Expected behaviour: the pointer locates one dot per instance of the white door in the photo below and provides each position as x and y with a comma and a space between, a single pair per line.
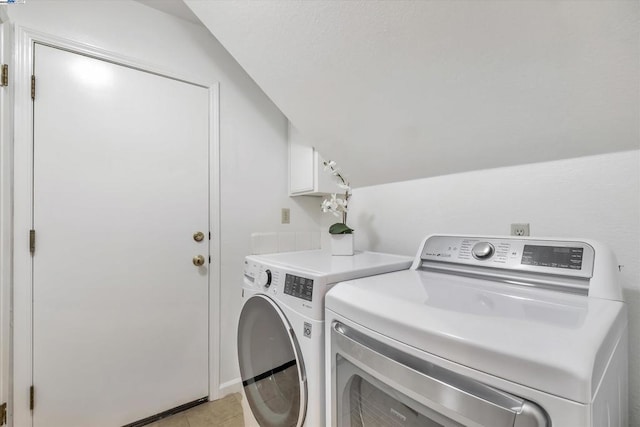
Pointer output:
120, 311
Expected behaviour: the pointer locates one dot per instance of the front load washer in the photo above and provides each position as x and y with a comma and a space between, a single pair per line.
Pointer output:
484, 332
281, 329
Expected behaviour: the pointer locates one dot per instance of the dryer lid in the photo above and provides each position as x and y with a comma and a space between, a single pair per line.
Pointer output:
551, 341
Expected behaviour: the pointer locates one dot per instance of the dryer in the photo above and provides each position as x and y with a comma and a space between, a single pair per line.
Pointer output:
281, 329
483, 332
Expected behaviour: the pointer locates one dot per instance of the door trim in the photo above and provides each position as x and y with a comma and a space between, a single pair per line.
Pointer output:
6, 161
22, 181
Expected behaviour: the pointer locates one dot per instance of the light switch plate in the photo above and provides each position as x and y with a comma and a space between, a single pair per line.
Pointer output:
286, 216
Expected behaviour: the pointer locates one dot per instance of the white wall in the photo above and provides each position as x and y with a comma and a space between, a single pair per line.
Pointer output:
253, 132
595, 197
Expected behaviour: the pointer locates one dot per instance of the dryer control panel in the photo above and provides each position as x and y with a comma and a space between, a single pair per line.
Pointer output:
562, 258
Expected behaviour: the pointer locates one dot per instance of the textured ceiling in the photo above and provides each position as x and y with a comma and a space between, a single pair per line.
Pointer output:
172, 7
397, 90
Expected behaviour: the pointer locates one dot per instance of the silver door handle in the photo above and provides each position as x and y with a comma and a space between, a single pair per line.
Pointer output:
471, 399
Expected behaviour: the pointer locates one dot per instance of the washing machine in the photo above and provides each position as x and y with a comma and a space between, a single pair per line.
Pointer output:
483, 332
281, 329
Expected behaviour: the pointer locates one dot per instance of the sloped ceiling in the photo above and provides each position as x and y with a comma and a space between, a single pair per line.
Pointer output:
397, 90
176, 8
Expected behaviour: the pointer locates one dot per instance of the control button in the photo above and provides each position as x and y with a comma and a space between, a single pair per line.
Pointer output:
482, 250
265, 278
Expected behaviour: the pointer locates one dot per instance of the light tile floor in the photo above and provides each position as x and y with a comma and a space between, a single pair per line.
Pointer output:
225, 412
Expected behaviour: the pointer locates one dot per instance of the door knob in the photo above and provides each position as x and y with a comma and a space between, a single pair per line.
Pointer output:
198, 260
198, 236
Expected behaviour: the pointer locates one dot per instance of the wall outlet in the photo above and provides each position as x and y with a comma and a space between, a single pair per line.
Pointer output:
286, 216
520, 229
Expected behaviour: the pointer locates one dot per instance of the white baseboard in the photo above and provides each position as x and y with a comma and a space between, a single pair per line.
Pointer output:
229, 387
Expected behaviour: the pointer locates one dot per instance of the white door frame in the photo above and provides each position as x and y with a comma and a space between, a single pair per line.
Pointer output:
22, 186
6, 161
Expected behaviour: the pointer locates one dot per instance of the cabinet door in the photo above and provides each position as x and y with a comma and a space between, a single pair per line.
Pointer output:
302, 169
306, 168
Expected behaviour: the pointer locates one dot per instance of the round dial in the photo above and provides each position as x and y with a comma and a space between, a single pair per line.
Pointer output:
482, 250
265, 278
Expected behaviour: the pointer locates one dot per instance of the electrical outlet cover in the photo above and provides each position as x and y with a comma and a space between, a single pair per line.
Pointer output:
520, 229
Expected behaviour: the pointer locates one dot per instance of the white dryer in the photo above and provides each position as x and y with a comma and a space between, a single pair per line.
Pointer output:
484, 332
281, 329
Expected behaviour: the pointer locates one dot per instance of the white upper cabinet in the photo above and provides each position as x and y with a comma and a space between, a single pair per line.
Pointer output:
306, 169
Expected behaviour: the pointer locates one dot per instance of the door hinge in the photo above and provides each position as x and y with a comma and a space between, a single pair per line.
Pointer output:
5, 77
33, 87
31, 398
32, 241
3, 414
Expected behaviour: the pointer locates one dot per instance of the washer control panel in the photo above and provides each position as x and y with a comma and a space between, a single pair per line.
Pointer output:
264, 279
299, 287
566, 258
292, 288
272, 281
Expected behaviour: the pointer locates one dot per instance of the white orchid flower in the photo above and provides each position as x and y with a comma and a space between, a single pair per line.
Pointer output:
336, 205
331, 203
330, 165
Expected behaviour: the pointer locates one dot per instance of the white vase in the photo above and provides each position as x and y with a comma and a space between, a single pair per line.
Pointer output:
342, 244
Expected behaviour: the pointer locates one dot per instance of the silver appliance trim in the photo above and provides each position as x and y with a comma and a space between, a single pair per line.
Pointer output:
571, 259
471, 399
563, 284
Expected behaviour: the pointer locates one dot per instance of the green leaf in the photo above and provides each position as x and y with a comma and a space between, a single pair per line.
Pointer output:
340, 228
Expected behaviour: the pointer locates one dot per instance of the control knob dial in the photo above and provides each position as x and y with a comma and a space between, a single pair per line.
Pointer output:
265, 278
482, 250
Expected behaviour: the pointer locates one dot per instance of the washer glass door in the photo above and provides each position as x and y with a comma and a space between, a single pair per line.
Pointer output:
271, 364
